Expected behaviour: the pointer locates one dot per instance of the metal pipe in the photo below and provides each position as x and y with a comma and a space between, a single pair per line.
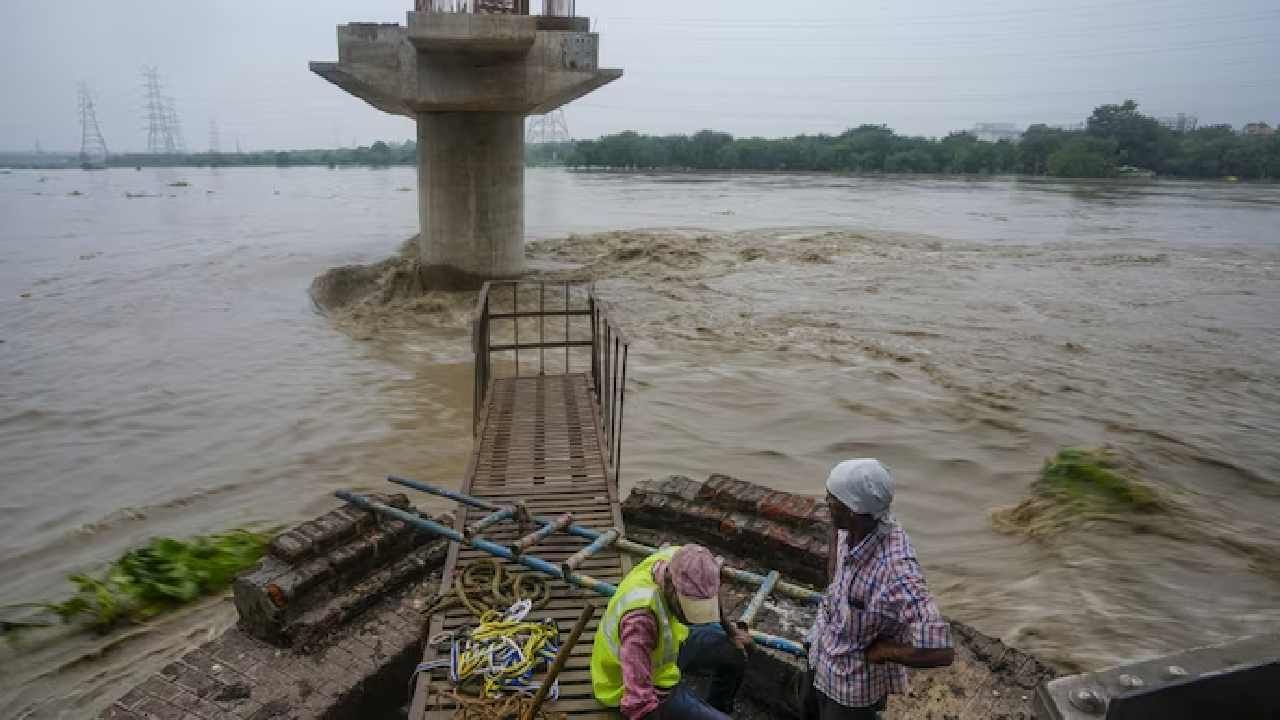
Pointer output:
798, 592
757, 600
446, 493
609, 537
530, 561
622, 405
515, 307
487, 521
542, 328
537, 536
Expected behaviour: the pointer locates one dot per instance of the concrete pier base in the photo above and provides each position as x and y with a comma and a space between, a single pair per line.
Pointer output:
469, 80
470, 197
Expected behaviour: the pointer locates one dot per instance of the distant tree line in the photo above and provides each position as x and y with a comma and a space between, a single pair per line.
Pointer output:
379, 153
1117, 139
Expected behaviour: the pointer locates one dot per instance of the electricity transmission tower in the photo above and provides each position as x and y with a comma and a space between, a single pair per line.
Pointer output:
213, 138
548, 128
164, 130
93, 148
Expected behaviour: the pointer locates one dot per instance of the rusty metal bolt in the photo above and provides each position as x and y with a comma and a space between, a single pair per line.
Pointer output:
1087, 700
1130, 682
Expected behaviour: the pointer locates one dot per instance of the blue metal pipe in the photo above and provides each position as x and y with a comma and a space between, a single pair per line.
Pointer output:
778, 643
475, 502
757, 600
487, 521
609, 537
791, 590
532, 562
537, 536
444, 493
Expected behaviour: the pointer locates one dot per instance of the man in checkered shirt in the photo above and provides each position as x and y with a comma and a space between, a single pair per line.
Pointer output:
877, 617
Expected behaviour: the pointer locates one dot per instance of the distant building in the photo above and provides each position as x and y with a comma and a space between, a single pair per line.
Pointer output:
1068, 127
1259, 128
995, 132
1181, 122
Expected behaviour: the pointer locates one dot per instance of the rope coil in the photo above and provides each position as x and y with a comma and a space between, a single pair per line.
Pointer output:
500, 653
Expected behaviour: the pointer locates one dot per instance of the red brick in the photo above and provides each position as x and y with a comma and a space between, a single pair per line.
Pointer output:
787, 508
682, 487
733, 524
788, 539
714, 486
742, 496
821, 515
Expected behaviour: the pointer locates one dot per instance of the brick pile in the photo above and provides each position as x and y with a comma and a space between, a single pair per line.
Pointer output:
330, 627
756, 527
788, 532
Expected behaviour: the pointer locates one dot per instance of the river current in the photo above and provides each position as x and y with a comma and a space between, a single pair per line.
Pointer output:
164, 372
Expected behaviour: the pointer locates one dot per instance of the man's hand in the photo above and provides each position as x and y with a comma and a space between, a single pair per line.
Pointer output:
741, 637
882, 651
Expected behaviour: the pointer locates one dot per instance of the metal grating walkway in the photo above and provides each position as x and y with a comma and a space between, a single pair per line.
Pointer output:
539, 440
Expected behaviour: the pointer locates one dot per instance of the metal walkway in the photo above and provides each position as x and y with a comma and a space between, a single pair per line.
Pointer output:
547, 433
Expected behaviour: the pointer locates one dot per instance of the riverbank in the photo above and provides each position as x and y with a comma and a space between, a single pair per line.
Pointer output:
343, 644
965, 330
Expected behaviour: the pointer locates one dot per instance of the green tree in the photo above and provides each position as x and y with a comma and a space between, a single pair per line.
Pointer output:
1140, 140
1038, 143
379, 153
1084, 157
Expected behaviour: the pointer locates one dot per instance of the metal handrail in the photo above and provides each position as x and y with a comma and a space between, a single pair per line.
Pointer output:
478, 7
608, 344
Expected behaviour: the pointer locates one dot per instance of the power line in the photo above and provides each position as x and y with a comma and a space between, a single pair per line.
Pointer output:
93, 148
213, 138
548, 128
164, 129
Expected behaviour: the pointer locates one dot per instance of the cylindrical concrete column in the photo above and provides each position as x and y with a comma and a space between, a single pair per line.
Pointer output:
470, 197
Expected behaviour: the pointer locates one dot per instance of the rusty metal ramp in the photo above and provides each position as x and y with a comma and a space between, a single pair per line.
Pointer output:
547, 433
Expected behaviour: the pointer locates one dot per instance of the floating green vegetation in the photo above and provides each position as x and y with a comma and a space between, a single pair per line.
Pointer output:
1077, 485
147, 581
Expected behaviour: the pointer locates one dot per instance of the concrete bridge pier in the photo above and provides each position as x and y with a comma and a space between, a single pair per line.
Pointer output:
470, 197
468, 79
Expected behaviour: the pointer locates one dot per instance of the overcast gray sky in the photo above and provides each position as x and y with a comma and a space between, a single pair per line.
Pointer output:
746, 66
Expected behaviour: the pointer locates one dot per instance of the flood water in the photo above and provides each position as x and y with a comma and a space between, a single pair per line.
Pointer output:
163, 372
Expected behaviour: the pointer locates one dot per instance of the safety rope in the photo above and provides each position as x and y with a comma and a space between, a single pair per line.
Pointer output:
485, 585
509, 708
500, 653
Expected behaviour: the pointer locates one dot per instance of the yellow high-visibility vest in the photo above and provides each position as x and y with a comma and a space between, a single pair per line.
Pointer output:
637, 591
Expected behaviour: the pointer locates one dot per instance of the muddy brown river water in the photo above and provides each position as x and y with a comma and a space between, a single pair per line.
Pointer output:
163, 372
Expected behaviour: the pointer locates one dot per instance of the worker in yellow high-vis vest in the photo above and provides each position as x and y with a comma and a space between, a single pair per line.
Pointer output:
665, 619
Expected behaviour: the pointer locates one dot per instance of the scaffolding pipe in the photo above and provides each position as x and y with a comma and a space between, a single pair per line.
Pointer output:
537, 536
530, 561
757, 600
609, 537
791, 590
488, 521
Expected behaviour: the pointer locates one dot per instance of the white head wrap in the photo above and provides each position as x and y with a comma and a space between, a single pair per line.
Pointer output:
863, 485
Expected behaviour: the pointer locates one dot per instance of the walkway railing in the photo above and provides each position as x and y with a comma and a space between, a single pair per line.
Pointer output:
523, 328
550, 8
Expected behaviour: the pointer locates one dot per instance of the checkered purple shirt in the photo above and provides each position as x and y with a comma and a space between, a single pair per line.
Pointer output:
878, 592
